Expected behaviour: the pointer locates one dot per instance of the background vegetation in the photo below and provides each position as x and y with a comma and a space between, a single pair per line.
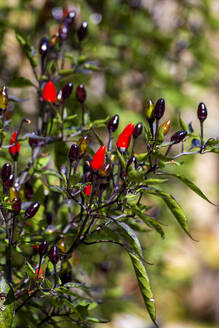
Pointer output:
143, 49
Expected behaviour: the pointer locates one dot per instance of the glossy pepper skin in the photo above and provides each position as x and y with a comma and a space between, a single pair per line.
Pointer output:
14, 150
6, 171
137, 130
31, 210
105, 170
43, 248
73, 153
10, 181
54, 255
67, 90
166, 126
98, 158
44, 46
69, 17
132, 161
202, 112
33, 142
159, 108
49, 92
178, 136
124, 139
28, 190
82, 145
87, 190
82, 31
3, 97
16, 206
113, 123
81, 94
149, 110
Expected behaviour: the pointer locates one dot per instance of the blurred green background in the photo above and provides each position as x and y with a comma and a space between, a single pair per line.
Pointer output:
145, 49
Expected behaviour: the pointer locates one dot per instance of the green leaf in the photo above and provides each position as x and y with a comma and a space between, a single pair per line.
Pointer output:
174, 207
20, 82
66, 72
29, 270
212, 142
7, 304
144, 285
27, 50
148, 220
182, 123
192, 186
121, 159
100, 123
155, 181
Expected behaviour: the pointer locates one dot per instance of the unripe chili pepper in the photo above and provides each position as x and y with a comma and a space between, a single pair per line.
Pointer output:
82, 31
81, 93
124, 139
31, 210
10, 181
73, 153
98, 158
82, 145
54, 39
44, 46
105, 170
14, 150
69, 17
67, 90
63, 30
159, 108
16, 206
178, 136
87, 190
54, 255
113, 123
88, 176
166, 126
86, 167
132, 161
28, 190
3, 97
202, 112
149, 110
43, 248
49, 92
6, 171
33, 142
137, 130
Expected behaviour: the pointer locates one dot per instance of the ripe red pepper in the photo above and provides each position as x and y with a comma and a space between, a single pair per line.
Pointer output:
49, 92
87, 190
39, 273
14, 150
124, 139
98, 158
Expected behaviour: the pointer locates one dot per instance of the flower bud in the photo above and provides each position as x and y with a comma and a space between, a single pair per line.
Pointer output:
54, 255
159, 108
67, 90
6, 171
202, 112
82, 31
49, 92
43, 248
178, 136
9, 182
81, 93
31, 210
16, 206
113, 123
137, 130
98, 158
165, 126
3, 97
73, 153
44, 46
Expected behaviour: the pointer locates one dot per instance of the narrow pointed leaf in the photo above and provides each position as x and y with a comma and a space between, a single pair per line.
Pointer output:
7, 305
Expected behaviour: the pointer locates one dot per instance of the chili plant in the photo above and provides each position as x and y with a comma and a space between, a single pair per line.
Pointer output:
78, 189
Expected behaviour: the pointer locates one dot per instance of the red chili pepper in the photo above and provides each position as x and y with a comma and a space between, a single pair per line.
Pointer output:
98, 159
87, 190
39, 273
14, 150
124, 139
49, 92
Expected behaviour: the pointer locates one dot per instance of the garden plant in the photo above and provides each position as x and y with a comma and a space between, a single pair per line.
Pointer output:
81, 186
